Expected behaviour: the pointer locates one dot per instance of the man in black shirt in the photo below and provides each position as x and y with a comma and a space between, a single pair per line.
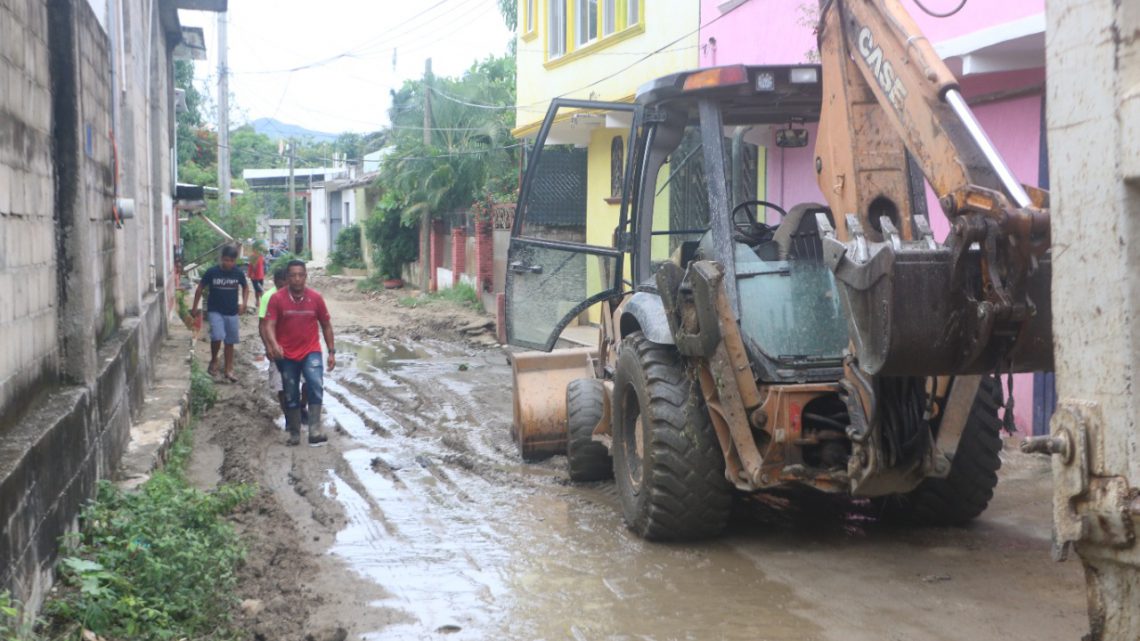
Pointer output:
222, 308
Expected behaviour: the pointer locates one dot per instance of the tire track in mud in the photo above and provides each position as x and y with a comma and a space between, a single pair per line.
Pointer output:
417, 489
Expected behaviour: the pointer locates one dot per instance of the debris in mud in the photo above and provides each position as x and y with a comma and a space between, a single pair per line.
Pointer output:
378, 465
935, 578
478, 327
448, 629
331, 634
460, 460
424, 461
252, 607
463, 367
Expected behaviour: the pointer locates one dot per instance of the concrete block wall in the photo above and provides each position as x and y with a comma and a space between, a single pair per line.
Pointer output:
29, 350
97, 168
83, 305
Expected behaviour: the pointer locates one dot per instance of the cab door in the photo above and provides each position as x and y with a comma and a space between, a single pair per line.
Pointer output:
554, 272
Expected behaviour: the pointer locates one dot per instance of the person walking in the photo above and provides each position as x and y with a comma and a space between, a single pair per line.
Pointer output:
256, 273
292, 318
274, 374
222, 307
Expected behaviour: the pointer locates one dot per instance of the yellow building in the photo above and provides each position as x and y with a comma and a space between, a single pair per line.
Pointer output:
599, 50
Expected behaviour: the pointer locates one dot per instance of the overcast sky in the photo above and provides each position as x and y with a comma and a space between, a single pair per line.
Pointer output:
354, 52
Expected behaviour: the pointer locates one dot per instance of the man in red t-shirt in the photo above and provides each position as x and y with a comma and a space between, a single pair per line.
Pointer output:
292, 318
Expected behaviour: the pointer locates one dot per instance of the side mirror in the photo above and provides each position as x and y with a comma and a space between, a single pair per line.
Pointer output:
791, 137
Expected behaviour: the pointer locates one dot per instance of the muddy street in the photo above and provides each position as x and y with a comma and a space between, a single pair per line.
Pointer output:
419, 521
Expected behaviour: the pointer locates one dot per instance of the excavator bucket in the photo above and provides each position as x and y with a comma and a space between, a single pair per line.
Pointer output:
540, 380
908, 317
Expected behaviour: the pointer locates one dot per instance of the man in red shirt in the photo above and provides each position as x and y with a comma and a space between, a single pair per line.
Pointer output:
292, 318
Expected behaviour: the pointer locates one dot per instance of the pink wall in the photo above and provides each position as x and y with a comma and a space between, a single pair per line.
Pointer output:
790, 177
769, 31
782, 32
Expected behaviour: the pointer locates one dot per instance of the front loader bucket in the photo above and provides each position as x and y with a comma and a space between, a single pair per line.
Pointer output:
540, 380
906, 316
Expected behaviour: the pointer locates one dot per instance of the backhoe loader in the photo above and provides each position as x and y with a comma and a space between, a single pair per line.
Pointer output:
750, 345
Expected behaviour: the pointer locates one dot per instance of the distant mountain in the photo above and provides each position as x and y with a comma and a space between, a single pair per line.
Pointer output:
277, 130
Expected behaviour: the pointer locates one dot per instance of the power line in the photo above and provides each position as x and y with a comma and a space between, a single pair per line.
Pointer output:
372, 47
315, 158
470, 104
662, 49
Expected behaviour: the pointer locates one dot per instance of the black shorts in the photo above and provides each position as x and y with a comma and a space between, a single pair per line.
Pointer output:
258, 286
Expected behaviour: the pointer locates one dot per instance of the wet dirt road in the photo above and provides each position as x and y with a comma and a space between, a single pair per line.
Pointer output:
419, 521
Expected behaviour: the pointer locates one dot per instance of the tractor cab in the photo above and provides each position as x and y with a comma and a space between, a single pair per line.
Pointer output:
695, 184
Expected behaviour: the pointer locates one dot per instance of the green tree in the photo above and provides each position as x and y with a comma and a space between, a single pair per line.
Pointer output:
395, 241
251, 149
510, 12
471, 152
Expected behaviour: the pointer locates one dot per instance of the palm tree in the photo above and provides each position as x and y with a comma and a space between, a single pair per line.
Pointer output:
470, 148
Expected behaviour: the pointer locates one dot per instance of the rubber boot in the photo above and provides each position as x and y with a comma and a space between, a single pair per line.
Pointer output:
316, 431
293, 426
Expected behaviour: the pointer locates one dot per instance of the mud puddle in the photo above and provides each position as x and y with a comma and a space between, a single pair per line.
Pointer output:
471, 544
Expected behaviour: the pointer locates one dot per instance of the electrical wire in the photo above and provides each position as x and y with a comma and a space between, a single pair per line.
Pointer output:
379, 46
935, 14
662, 49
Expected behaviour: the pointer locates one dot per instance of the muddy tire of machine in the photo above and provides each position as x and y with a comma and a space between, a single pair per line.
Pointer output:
675, 489
966, 492
585, 404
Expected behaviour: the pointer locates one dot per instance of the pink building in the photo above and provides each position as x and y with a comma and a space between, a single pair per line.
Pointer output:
997, 50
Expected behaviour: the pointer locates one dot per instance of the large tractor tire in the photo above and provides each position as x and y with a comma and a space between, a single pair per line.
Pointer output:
668, 465
966, 492
585, 406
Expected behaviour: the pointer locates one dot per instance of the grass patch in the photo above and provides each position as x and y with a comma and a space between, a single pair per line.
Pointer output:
158, 563
203, 394
462, 294
373, 282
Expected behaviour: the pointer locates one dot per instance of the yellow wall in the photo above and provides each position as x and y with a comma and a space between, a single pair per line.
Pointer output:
601, 217
583, 73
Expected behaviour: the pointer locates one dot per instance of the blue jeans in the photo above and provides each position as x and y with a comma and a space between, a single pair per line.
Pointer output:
312, 370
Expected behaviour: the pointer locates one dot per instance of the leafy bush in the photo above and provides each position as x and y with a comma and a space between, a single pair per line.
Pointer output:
156, 564
12, 628
394, 242
203, 394
349, 251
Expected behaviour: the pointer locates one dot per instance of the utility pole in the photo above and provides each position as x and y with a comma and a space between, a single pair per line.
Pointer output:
427, 102
425, 219
292, 200
223, 116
